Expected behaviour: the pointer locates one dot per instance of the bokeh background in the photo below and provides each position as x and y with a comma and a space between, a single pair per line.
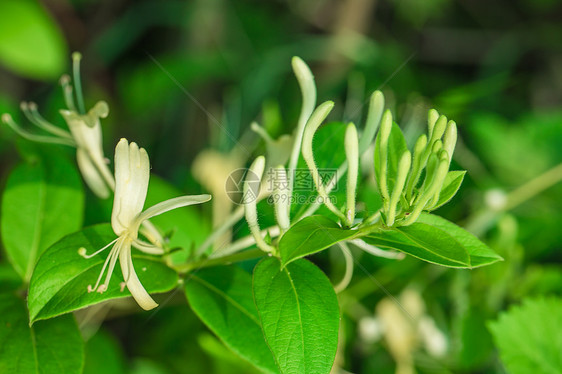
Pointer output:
181, 77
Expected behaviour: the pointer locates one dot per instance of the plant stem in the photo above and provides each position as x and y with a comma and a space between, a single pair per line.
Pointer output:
226, 260
534, 187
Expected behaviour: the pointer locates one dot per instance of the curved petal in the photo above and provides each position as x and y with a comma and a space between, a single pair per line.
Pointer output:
132, 171
147, 247
170, 204
132, 280
91, 175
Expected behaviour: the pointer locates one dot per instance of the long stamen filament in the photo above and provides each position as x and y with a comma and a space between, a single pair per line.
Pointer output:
114, 255
76, 57
82, 250
67, 92
106, 262
7, 119
32, 114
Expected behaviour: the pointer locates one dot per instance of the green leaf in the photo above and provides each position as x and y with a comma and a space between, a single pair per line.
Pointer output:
60, 280
31, 43
103, 355
451, 185
528, 337
43, 201
396, 148
436, 240
310, 235
49, 347
299, 313
222, 298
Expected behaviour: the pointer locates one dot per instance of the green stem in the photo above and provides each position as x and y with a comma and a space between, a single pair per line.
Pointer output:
534, 187
226, 260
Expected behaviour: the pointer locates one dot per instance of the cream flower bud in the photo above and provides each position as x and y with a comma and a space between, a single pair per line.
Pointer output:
352, 155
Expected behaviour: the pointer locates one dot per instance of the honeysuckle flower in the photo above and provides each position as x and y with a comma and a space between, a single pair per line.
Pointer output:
85, 132
132, 172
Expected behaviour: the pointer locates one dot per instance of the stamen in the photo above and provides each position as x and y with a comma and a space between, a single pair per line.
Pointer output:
82, 250
90, 288
113, 255
67, 92
76, 57
32, 114
7, 119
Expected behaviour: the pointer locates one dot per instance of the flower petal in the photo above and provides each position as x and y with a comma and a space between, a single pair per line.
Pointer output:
91, 175
132, 280
170, 204
147, 247
132, 172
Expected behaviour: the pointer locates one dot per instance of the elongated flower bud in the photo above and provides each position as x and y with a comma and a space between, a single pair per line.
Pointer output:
437, 146
417, 166
352, 155
450, 139
438, 174
376, 107
384, 133
403, 169
432, 117
439, 129
314, 122
308, 90
281, 199
250, 207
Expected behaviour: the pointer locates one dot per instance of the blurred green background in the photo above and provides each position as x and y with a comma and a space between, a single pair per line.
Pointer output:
184, 76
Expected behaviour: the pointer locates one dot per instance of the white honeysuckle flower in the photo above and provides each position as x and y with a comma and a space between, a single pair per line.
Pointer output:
85, 131
87, 135
132, 172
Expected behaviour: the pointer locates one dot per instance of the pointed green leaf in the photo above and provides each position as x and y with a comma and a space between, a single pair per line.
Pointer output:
451, 185
60, 280
42, 202
310, 235
222, 298
396, 148
436, 240
299, 313
48, 347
